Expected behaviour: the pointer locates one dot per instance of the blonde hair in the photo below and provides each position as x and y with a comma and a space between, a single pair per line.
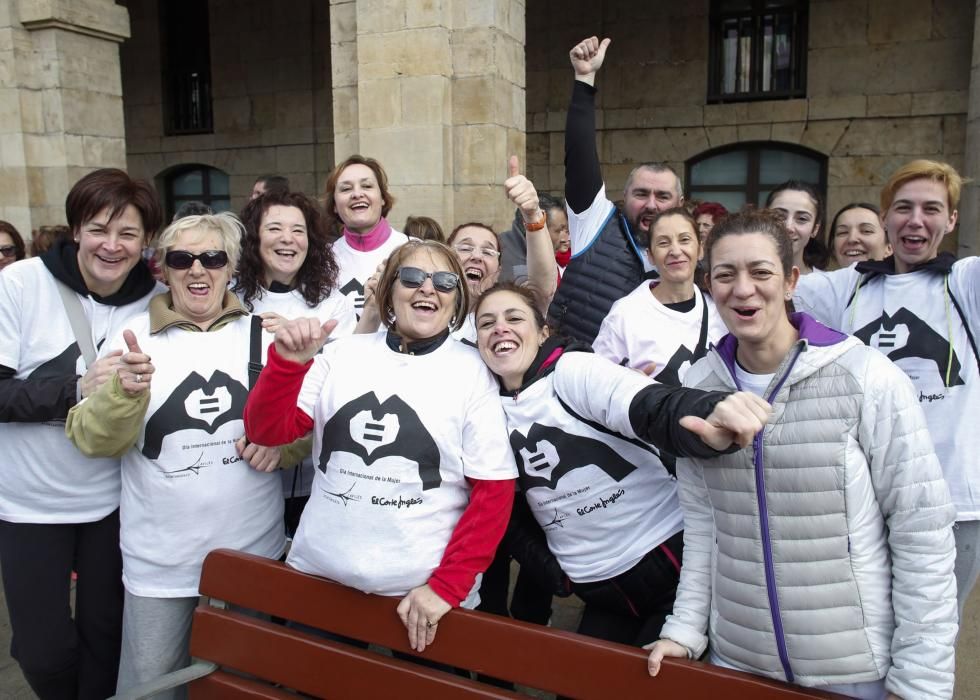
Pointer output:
924, 169
228, 226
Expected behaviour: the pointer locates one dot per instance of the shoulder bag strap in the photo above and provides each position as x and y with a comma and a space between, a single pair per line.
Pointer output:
80, 325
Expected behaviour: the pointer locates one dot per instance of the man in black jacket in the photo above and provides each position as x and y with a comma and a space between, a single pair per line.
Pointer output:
608, 244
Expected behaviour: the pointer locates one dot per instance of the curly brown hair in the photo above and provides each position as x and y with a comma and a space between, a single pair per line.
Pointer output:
317, 277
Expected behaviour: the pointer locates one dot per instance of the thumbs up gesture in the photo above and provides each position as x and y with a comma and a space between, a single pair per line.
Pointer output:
135, 368
300, 340
521, 192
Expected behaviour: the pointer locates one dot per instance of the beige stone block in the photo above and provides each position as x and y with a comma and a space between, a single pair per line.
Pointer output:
478, 151
923, 66
538, 149
44, 150
508, 60
8, 69
13, 187
380, 16
74, 150
427, 13
788, 132
862, 171
845, 70
688, 142
839, 107
472, 51
294, 159
425, 200
57, 185
754, 132
775, 111
412, 155
720, 115
408, 52
53, 104
92, 113
899, 136
12, 151
104, 19
636, 145
683, 116
473, 100
32, 111
343, 64
20, 216
954, 134
889, 105
944, 102
892, 21
10, 122
838, 23
345, 111
142, 146
480, 202
379, 104
425, 100
473, 13
720, 135
343, 21
952, 18
35, 186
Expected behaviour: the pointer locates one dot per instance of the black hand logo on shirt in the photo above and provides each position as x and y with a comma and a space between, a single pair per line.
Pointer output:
547, 454
357, 289
905, 335
195, 404
372, 430
671, 373
64, 365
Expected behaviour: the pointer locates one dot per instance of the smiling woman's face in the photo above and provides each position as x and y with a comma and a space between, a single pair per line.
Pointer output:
283, 244
423, 312
357, 198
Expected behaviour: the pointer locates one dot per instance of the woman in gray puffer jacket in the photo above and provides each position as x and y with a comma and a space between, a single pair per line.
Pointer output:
823, 554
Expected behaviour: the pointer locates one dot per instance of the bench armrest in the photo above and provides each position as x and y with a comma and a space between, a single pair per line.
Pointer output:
174, 679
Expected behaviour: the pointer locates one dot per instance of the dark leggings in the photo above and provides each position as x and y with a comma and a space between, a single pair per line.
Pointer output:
61, 657
631, 608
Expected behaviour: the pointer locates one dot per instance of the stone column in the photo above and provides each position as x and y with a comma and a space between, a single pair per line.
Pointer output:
61, 110
968, 237
434, 89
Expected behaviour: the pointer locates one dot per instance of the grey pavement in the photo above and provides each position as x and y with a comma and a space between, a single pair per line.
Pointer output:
566, 616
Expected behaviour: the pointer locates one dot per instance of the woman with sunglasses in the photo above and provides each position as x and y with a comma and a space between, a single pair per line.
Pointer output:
12, 246
583, 432
287, 270
414, 480
59, 511
191, 482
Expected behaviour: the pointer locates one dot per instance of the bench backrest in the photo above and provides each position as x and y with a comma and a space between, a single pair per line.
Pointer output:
540, 657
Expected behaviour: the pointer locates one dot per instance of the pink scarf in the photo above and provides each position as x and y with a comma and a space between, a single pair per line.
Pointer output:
372, 240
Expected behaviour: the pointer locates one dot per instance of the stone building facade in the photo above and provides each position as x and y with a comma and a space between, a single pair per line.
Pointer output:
441, 91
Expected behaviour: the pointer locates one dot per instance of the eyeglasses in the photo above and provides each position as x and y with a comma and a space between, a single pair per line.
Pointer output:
8, 251
183, 260
467, 249
413, 278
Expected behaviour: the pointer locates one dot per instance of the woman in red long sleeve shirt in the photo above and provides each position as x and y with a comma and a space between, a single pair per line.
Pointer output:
414, 479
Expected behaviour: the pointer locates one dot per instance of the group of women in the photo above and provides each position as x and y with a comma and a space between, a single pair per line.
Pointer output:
405, 445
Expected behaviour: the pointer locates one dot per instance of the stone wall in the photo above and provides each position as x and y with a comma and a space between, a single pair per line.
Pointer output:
270, 77
887, 81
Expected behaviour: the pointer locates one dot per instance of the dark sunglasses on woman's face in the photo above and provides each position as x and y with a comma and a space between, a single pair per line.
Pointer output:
8, 251
210, 259
413, 278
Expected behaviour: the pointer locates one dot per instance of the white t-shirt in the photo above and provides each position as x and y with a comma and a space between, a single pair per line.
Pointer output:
185, 490
467, 334
357, 266
907, 317
751, 382
395, 437
291, 305
603, 500
45, 479
640, 330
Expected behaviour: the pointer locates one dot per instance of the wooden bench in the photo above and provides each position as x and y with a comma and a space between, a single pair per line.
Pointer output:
239, 656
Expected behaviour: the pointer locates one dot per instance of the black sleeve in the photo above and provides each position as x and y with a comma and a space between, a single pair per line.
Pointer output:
526, 542
36, 400
655, 414
583, 176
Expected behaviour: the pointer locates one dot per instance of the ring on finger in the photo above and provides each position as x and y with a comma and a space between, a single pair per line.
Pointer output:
430, 624
139, 378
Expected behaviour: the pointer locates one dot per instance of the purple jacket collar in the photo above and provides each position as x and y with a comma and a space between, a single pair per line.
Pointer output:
810, 329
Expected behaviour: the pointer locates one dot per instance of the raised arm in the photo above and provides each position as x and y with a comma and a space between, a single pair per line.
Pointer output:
542, 272
583, 176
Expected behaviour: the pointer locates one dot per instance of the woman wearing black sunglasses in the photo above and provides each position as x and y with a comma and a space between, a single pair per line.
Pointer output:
414, 481
11, 245
191, 482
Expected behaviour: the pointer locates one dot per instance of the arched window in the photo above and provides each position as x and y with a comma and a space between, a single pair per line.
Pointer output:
745, 173
197, 183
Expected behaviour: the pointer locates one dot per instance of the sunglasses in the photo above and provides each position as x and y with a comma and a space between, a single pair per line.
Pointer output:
8, 251
413, 278
210, 259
